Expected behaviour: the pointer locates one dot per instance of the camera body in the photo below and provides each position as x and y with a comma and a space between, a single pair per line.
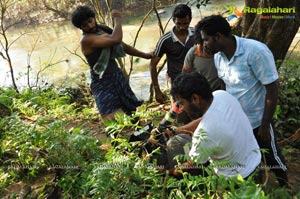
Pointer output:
158, 137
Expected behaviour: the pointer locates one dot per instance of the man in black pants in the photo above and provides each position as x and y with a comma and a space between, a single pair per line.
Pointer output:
174, 44
248, 70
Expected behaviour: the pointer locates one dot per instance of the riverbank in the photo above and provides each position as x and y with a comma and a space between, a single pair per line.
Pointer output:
54, 41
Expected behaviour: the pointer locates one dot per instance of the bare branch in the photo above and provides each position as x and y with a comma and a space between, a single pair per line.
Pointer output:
76, 54
3, 56
28, 61
21, 35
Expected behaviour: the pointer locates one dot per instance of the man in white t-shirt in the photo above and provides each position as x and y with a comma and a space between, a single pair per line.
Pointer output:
224, 136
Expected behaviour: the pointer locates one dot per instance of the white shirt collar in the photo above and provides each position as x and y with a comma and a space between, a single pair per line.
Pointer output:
175, 38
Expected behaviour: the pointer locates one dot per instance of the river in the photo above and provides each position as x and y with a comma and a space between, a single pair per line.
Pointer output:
51, 43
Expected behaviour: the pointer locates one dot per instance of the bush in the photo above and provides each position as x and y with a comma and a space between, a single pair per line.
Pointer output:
287, 119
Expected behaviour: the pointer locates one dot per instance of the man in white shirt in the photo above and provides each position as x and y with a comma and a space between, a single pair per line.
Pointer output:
249, 72
224, 136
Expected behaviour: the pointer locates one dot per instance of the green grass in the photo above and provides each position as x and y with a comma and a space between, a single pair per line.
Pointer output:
48, 132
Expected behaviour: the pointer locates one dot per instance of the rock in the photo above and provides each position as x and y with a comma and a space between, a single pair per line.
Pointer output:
162, 11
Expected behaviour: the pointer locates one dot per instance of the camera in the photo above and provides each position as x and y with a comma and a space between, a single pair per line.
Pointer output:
158, 137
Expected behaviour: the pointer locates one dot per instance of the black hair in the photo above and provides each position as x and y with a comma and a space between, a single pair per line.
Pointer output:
81, 14
187, 84
197, 35
213, 24
181, 11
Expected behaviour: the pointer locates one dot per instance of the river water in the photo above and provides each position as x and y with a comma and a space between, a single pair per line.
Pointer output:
51, 44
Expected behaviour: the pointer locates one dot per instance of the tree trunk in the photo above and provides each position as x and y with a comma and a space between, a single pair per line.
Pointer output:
277, 34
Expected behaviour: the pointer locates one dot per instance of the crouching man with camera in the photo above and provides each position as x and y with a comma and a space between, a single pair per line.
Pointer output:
223, 136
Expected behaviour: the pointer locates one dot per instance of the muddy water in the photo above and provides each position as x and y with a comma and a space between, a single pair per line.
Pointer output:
51, 45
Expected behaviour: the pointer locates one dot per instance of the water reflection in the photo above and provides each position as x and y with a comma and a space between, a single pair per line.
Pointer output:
51, 44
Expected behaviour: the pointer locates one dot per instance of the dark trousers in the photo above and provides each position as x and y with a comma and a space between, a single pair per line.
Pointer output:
273, 157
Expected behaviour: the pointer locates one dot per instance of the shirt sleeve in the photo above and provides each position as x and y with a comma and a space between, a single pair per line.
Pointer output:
160, 48
217, 58
263, 65
188, 61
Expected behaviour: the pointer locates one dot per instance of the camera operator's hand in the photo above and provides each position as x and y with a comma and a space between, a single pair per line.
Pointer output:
170, 131
152, 140
154, 136
155, 132
158, 136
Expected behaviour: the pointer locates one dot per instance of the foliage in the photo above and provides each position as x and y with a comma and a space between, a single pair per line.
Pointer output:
124, 171
123, 123
45, 133
202, 3
37, 138
288, 109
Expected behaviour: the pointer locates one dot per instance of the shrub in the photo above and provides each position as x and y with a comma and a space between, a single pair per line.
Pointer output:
287, 114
